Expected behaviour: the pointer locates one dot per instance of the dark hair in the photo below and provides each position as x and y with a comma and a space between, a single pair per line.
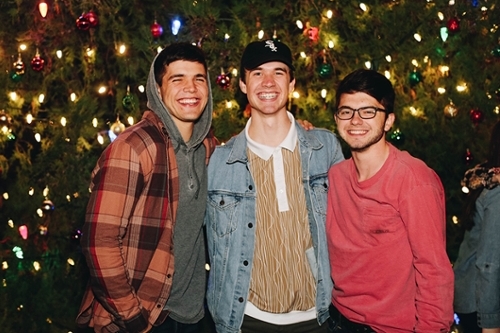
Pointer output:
369, 82
175, 52
493, 160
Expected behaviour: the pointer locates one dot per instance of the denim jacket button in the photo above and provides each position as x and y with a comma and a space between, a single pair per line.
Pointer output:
325, 185
250, 225
245, 263
240, 299
250, 187
221, 202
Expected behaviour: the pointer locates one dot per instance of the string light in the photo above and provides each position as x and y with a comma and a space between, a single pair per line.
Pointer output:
59, 54
43, 8
176, 25
299, 24
331, 44
363, 7
260, 35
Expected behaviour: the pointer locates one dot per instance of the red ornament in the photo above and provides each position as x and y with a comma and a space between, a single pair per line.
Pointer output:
92, 18
37, 63
156, 30
223, 81
453, 25
313, 34
476, 116
83, 22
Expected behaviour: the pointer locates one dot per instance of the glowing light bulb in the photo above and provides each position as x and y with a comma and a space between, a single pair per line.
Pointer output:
43, 8
260, 35
59, 54
323, 93
176, 25
63, 121
299, 24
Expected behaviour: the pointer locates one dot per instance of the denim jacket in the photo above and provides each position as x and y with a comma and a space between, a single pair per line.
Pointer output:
477, 268
230, 222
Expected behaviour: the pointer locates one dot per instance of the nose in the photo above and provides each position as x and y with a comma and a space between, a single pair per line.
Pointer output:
268, 81
356, 119
190, 86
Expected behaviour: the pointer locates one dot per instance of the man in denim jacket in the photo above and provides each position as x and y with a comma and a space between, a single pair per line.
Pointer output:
267, 190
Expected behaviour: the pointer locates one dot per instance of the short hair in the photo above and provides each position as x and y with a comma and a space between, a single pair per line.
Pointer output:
371, 83
174, 52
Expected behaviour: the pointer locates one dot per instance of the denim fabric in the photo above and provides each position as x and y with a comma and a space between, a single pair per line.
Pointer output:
230, 221
477, 269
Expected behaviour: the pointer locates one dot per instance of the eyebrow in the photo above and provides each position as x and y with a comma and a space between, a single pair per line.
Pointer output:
180, 75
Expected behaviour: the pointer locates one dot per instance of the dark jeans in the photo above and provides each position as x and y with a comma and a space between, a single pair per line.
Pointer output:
468, 322
252, 325
172, 326
337, 323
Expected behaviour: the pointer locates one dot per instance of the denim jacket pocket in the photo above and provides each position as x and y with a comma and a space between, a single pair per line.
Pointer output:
223, 210
319, 189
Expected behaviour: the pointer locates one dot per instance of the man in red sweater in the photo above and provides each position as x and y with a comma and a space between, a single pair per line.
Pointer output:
385, 223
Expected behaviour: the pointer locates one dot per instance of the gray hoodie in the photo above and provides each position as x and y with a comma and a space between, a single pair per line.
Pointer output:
188, 286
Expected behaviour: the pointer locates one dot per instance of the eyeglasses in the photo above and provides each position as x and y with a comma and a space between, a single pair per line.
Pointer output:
367, 112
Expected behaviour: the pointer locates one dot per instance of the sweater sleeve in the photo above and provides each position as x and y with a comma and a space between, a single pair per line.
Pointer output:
488, 261
423, 212
116, 184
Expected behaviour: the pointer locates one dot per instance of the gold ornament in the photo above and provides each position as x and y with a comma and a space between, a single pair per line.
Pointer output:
450, 110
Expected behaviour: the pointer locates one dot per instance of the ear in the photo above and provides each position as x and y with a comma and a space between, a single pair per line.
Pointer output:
243, 86
291, 86
389, 121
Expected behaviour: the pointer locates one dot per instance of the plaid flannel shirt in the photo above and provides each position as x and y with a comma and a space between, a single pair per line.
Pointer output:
127, 235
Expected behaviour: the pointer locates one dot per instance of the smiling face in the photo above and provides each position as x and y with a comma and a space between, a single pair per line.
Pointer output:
267, 87
362, 134
184, 91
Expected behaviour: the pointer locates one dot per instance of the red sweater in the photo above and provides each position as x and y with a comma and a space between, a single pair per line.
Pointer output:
386, 238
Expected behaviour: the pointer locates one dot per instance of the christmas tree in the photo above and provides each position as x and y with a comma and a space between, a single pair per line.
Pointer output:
74, 73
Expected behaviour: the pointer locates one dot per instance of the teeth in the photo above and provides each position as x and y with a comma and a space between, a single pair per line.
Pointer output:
267, 95
188, 101
357, 132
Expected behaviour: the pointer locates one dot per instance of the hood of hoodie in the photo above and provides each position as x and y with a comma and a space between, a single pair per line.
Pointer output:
155, 104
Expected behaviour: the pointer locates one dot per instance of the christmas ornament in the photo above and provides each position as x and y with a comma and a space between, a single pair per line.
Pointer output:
453, 25
476, 116
415, 77
223, 80
92, 19
83, 22
15, 77
128, 101
47, 205
397, 136
117, 127
76, 235
37, 63
325, 70
156, 30
313, 34
19, 65
468, 157
450, 110
496, 51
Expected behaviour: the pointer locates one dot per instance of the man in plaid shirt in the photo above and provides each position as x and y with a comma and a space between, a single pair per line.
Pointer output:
148, 197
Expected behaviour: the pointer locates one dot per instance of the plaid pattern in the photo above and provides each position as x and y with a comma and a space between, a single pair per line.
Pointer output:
127, 235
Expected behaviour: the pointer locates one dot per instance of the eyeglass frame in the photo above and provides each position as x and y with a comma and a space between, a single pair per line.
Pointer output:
357, 110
